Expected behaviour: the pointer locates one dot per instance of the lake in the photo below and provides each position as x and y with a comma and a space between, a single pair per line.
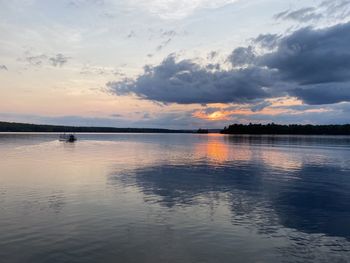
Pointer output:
174, 198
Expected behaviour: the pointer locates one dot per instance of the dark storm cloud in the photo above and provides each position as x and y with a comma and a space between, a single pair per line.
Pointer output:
186, 82
242, 56
212, 66
311, 64
311, 56
315, 64
327, 93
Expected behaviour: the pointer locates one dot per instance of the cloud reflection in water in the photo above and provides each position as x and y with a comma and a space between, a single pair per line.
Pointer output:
265, 187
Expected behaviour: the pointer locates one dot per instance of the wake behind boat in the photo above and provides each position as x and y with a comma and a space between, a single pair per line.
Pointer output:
67, 138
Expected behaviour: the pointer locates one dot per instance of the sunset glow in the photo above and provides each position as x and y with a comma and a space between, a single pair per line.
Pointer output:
176, 65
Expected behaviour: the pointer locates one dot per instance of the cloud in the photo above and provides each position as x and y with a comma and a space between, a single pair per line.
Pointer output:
212, 55
242, 56
336, 8
116, 115
172, 120
260, 106
177, 9
168, 33
3, 67
110, 121
314, 63
59, 60
81, 3
88, 69
163, 44
311, 64
267, 41
305, 14
327, 93
166, 37
310, 56
186, 82
209, 117
328, 9
238, 112
36, 60
131, 34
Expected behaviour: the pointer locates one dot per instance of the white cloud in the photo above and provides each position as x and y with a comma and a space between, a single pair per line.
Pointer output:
177, 9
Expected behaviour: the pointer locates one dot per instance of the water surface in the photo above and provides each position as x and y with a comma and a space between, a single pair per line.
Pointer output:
174, 198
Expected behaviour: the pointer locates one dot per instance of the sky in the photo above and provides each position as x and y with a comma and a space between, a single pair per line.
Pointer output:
174, 63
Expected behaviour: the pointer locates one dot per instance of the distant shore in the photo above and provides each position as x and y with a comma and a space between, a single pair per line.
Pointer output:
292, 129
249, 129
25, 127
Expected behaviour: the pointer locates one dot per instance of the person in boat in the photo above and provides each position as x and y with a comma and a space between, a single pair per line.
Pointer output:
72, 138
67, 137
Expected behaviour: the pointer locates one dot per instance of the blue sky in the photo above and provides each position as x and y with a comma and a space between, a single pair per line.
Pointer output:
174, 64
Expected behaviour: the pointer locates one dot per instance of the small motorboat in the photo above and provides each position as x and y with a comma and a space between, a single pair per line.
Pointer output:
67, 138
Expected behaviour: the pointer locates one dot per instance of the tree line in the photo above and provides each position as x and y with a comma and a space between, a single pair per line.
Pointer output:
24, 127
297, 129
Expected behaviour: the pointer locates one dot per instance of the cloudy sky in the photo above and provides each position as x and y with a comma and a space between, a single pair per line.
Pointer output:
174, 63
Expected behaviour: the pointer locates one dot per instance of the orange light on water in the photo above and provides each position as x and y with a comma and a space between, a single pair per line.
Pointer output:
218, 152
214, 150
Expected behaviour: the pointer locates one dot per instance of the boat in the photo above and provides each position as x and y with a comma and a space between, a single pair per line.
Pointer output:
67, 138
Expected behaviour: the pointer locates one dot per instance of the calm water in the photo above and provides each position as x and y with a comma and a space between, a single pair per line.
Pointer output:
174, 198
